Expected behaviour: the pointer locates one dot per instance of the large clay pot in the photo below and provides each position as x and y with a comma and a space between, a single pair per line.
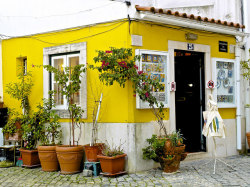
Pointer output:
48, 158
112, 165
91, 152
30, 158
248, 138
70, 158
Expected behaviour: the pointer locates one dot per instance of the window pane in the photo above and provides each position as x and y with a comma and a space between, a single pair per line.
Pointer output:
76, 99
58, 64
58, 97
225, 82
73, 61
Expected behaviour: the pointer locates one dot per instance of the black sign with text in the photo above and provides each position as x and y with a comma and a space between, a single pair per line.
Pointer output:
222, 46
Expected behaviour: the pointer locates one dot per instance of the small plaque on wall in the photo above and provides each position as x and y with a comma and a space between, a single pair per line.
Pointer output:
223, 46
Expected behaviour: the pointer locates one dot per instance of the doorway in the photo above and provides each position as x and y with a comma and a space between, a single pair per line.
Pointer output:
189, 98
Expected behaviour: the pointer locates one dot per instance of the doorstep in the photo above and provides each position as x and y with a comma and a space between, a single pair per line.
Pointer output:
197, 156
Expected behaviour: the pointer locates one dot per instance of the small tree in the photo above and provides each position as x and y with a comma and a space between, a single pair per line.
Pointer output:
69, 80
21, 90
117, 65
51, 131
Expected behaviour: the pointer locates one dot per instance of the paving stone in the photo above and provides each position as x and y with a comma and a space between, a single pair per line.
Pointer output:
191, 173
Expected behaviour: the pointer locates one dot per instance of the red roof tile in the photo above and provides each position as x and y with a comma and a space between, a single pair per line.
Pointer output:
191, 16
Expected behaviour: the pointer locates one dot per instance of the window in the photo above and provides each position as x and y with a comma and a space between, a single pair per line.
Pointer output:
21, 65
59, 62
225, 82
155, 65
65, 56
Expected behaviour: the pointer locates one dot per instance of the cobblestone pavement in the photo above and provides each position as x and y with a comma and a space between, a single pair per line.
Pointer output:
191, 173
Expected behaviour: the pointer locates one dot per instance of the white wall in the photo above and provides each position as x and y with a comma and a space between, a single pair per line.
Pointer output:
30, 17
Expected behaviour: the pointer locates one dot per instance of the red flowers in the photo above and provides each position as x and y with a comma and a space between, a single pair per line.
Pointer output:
108, 51
123, 64
147, 94
140, 72
104, 64
136, 67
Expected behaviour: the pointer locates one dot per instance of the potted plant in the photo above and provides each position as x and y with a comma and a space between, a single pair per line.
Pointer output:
12, 130
112, 160
69, 80
167, 150
50, 137
32, 127
93, 149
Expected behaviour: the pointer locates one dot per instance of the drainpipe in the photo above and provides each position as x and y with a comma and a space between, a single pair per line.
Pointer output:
247, 102
1, 71
238, 101
1, 87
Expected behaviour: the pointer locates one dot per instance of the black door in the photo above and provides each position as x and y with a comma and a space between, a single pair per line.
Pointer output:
189, 98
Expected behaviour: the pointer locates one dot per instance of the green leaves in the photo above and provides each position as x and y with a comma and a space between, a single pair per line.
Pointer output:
118, 65
69, 79
21, 90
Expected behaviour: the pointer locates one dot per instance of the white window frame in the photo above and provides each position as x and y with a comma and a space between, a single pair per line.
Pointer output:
214, 62
64, 49
139, 103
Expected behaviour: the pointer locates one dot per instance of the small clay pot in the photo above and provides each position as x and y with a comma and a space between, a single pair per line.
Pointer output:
91, 152
30, 157
248, 138
112, 165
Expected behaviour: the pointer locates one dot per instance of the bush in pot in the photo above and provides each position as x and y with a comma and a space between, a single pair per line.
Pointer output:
50, 137
112, 160
69, 80
167, 150
12, 130
33, 130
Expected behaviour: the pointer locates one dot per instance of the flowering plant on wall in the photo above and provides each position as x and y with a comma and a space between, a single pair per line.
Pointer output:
118, 65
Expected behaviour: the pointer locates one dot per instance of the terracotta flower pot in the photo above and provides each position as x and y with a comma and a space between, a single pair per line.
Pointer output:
169, 149
30, 158
171, 165
70, 158
180, 149
91, 152
6, 136
112, 165
1, 104
248, 138
18, 125
48, 158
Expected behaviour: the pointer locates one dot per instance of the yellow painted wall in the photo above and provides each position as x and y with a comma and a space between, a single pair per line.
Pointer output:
155, 37
118, 103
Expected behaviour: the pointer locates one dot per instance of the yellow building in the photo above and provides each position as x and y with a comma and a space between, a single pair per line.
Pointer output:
191, 52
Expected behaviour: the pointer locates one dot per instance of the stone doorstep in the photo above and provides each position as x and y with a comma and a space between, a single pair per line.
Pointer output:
197, 156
